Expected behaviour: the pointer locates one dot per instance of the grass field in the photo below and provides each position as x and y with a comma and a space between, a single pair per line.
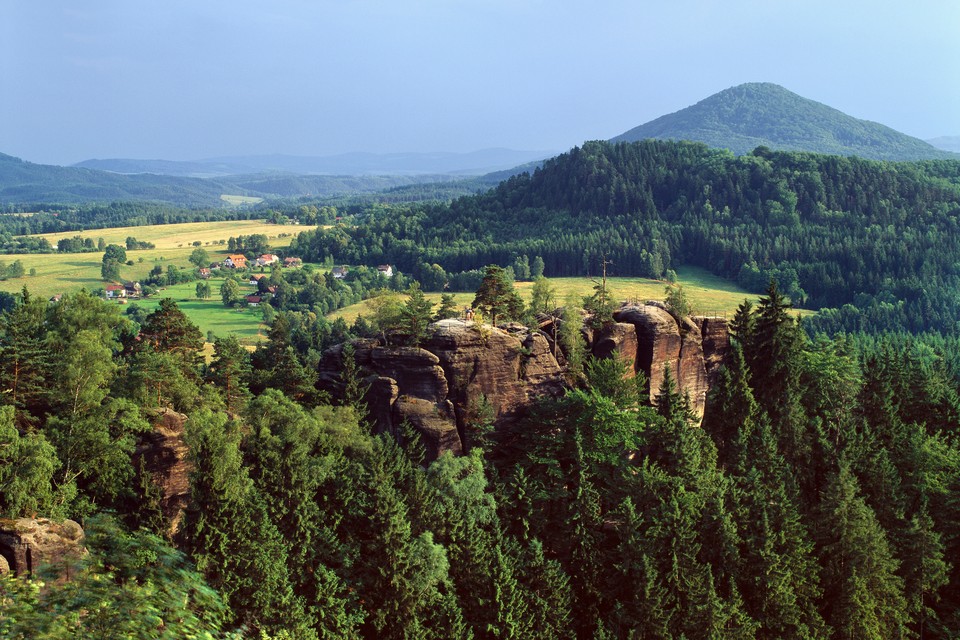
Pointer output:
708, 294
236, 201
172, 236
210, 315
65, 272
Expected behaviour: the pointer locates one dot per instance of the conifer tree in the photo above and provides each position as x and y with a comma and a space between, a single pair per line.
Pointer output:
496, 298
230, 370
415, 315
863, 597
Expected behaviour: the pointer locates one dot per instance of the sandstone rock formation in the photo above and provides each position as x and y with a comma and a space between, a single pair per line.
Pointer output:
693, 348
28, 543
433, 388
162, 452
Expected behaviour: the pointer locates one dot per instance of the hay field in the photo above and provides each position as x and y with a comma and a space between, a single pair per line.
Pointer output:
65, 272
708, 294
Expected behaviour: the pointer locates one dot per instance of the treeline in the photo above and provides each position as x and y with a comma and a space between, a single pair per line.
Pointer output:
819, 500
834, 231
47, 218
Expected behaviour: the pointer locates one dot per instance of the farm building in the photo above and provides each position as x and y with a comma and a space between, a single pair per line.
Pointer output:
235, 261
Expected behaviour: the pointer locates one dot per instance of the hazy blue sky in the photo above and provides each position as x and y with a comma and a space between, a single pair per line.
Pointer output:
190, 79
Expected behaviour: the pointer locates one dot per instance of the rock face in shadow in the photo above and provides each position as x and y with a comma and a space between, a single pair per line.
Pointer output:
692, 348
162, 452
618, 340
435, 388
28, 543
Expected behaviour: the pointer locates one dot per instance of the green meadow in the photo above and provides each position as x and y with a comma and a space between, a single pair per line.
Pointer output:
65, 272
708, 294
210, 315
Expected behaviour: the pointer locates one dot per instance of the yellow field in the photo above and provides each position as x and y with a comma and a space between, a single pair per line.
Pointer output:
708, 294
171, 236
64, 272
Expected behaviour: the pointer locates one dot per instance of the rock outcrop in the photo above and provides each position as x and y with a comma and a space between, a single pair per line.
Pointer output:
692, 348
28, 543
434, 388
162, 453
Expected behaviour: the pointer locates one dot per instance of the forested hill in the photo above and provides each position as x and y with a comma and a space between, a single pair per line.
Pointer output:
881, 238
22, 181
750, 115
25, 182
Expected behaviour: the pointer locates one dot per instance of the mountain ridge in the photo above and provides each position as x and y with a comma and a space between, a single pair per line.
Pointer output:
751, 115
472, 163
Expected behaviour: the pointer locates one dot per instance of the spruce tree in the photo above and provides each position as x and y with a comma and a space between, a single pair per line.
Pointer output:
863, 597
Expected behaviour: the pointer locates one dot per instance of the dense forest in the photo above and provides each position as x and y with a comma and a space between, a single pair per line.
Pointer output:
874, 245
820, 498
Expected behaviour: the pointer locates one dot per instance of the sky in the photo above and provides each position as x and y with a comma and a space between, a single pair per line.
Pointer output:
194, 79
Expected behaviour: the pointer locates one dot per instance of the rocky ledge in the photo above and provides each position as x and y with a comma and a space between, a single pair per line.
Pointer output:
26, 544
438, 387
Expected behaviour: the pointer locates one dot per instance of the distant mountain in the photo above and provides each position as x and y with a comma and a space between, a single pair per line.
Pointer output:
747, 116
22, 181
946, 143
348, 164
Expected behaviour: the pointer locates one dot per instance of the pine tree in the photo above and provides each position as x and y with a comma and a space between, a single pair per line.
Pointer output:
673, 405
415, 315
448, 307
732, 413
862, 594
230, 370
496, 298
25, 363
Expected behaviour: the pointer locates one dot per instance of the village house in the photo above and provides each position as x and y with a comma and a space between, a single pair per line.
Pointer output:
133, 289
292, 262
385, 270
257, 277
235, 261
340, 272
267, 259
115, 291
253, 301
204, 273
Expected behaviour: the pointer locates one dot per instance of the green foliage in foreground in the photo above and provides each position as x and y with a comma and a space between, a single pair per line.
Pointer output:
127, 586
820, 498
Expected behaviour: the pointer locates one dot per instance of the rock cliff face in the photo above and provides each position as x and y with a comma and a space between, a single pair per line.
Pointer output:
653, 340
28, 543
436, 388
163, 453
